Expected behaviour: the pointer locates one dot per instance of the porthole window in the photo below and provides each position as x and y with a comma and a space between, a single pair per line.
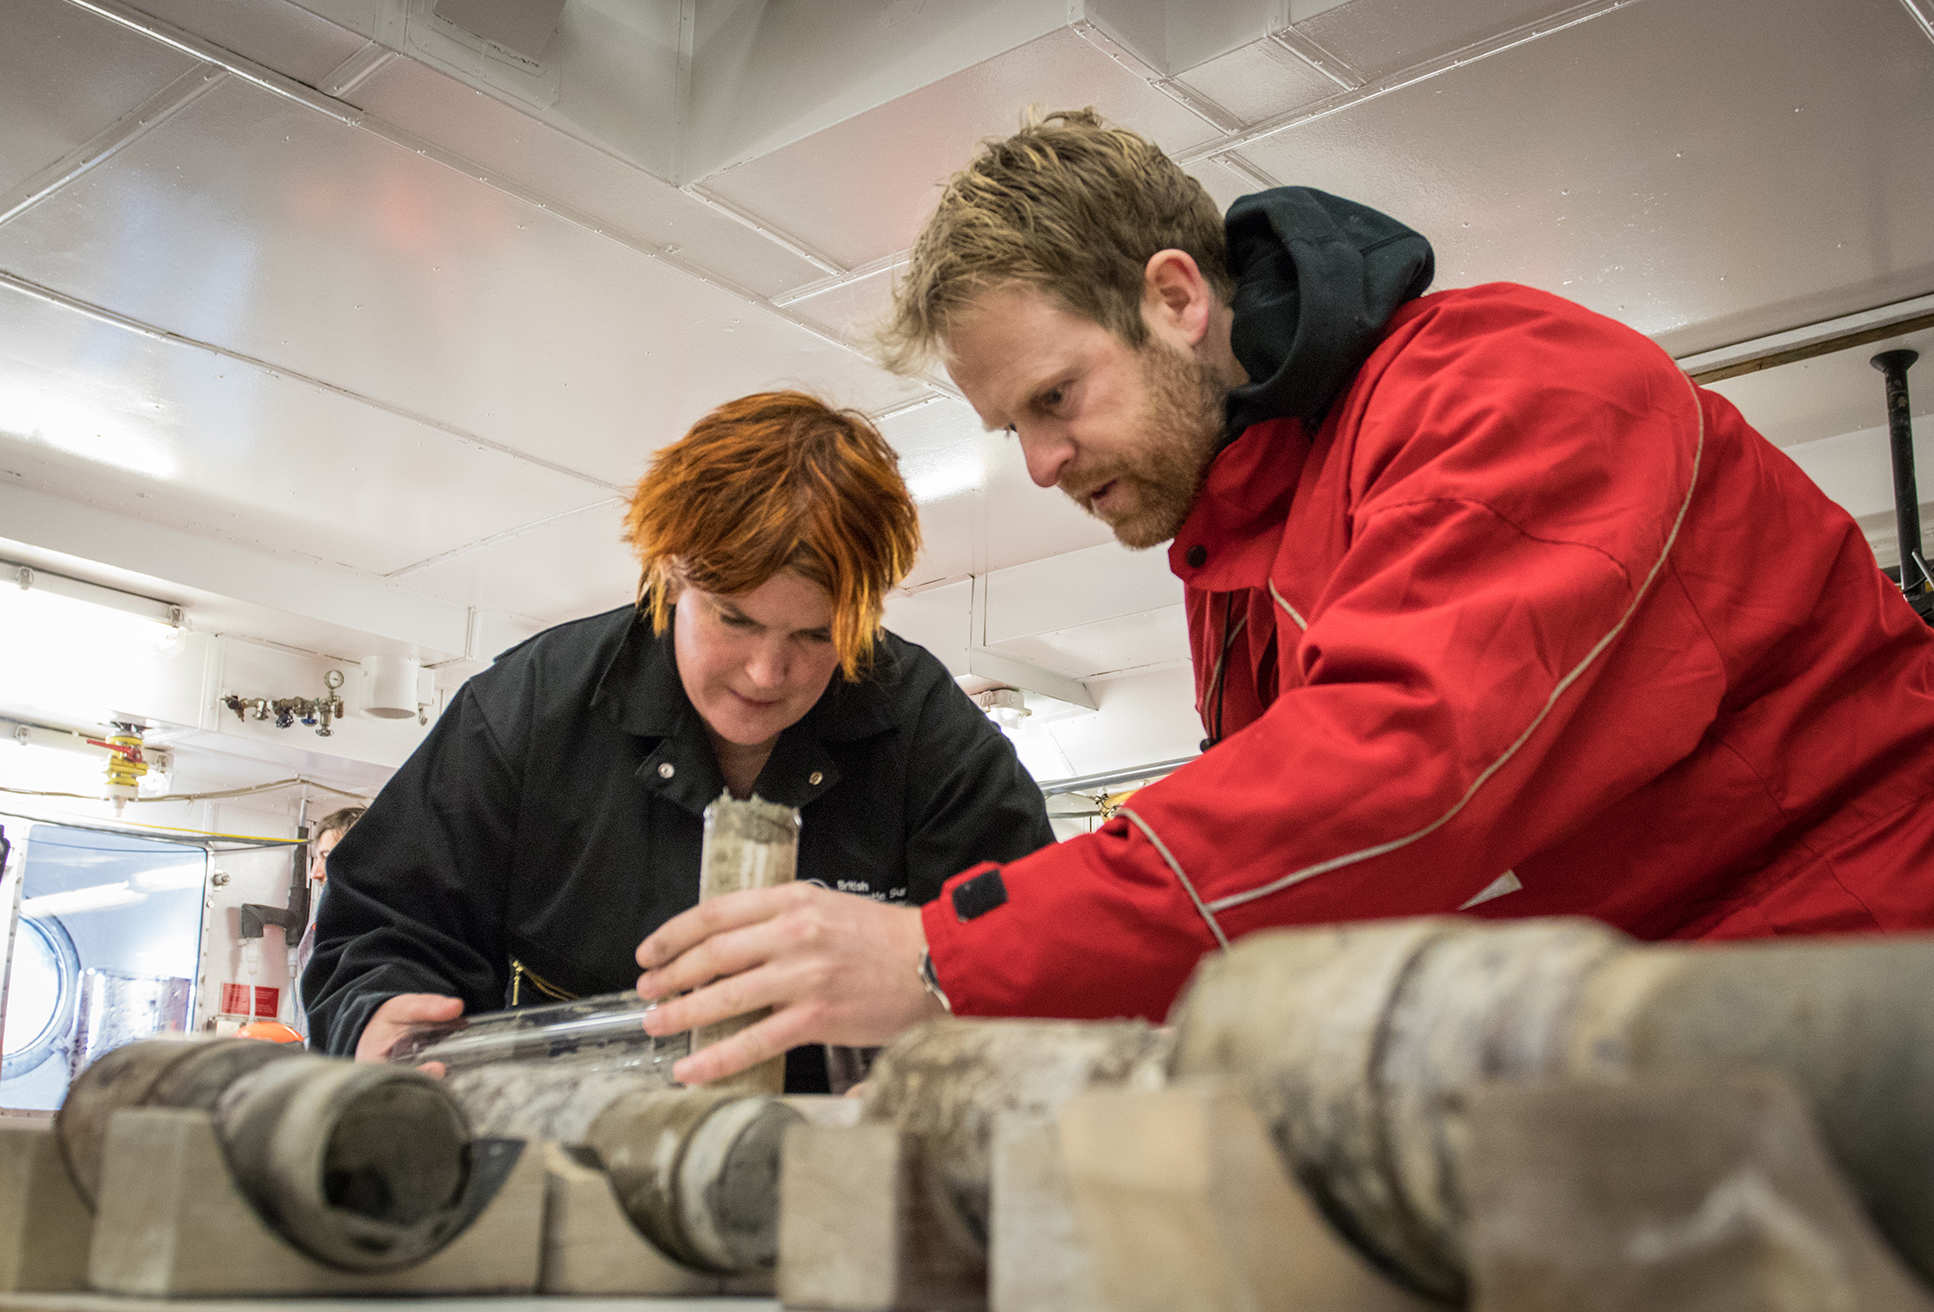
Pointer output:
40, 995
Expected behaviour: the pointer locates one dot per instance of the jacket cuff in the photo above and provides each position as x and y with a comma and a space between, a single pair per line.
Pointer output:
1077, 930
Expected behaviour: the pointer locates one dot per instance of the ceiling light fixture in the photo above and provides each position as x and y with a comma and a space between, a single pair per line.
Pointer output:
43, 588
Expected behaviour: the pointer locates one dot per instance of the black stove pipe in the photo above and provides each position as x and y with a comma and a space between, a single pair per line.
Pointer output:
1915, 582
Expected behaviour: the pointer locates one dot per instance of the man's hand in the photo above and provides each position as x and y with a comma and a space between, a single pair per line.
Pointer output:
389, 1021
834, 968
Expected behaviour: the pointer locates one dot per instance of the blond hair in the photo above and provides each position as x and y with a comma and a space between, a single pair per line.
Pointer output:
777, 481
1067, 205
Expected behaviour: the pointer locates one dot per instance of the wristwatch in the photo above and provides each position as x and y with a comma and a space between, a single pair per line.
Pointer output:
931, 982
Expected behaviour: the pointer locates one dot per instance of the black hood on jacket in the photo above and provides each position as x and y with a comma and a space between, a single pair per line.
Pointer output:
1317, 277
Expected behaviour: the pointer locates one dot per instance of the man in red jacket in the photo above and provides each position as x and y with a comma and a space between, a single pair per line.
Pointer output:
1492, 611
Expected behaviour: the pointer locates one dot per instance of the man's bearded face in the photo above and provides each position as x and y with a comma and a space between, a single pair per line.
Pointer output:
1144, 486
1125, 431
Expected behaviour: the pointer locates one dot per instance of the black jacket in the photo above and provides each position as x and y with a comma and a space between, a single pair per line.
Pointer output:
551, 819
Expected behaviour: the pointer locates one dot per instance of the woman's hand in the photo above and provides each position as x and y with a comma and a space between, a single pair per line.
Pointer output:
833, 967
393, 1019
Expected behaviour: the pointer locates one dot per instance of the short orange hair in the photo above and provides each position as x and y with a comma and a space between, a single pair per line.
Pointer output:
770, 482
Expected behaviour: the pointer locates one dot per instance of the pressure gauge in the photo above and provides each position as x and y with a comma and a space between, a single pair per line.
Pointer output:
332, 680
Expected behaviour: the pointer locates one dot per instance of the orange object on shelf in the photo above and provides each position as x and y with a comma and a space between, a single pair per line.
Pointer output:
269, 1031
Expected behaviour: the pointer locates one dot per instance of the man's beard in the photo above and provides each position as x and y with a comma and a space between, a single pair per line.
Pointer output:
1162, 468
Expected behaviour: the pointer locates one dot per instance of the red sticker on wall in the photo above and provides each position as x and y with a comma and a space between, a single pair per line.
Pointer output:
268, 1000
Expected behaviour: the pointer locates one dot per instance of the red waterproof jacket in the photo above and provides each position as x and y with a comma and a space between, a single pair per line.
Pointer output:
1530, 625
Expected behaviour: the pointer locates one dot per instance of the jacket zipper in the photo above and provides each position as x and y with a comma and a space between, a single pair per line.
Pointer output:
519, 972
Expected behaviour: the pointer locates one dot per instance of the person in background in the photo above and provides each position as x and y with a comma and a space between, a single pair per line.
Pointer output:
1492, 609
322, 841
551, 820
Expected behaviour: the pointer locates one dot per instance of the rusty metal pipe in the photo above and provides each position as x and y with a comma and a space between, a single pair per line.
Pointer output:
1356, 1043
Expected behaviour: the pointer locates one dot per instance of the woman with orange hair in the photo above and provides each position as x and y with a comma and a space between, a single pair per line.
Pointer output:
552, 818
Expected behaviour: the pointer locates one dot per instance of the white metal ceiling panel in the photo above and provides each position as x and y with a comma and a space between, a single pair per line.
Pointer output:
570, 566
941, 423
853, 309
858, 190
265, 227
274, 33
1076, 589
1378, 37
1686, 172
1006, 522
763, 75
1127, 642
943, 450
64, 76
1144, 717
182, 437
603, 187
938, 619
1225, 184
1259, 81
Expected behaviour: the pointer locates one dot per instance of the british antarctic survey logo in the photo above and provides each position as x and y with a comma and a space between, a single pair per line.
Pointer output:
861, 888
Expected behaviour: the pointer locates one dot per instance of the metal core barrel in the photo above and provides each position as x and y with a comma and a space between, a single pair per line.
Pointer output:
1355, 1043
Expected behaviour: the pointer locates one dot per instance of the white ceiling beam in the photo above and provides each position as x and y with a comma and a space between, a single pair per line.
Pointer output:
342, 597
101, 314
1789, 345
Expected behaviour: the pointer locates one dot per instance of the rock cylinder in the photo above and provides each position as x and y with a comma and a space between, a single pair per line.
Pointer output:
180, 1073
948, 1080
698, 1172
543, 1100
748, 844
360, 1166
1356, 1043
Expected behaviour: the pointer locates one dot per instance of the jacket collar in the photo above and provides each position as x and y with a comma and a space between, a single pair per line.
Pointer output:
640, 692
1233, 530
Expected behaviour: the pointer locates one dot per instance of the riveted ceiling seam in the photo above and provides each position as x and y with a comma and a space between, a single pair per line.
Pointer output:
1297, 49
1118, 53
287, 88
357, 69
1922, 12
502, 535
699, 192
1510, 39
114, 318
187, 43
144, 118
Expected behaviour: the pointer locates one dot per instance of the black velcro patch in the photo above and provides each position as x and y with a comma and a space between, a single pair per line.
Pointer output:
979, 895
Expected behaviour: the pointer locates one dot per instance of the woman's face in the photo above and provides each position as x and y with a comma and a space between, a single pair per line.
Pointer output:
319, 850
754, 662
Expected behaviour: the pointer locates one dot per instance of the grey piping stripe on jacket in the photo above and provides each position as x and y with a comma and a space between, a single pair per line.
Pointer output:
1176, 866
1563, 685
